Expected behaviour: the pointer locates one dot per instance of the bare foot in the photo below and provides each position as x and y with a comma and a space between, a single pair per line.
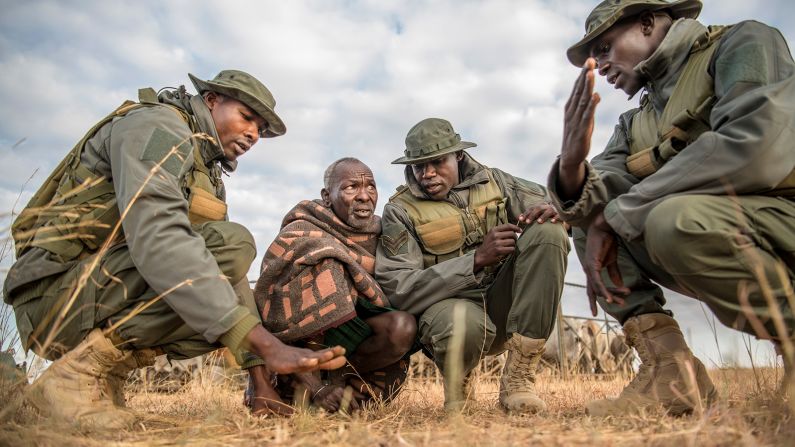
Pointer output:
261, 398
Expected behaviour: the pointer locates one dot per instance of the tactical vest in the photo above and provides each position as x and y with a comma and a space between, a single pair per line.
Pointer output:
75, 211
446, 231
655, 140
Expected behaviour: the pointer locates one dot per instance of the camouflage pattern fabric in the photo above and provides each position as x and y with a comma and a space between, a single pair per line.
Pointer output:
314, 271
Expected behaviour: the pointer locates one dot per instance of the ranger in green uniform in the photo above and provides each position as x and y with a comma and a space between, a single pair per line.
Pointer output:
102, 298
693, 192
450, 255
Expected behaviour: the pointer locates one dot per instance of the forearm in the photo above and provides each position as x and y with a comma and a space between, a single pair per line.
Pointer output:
571, 178
413, 289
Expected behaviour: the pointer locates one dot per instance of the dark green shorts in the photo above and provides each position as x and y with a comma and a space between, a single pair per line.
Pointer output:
353, 332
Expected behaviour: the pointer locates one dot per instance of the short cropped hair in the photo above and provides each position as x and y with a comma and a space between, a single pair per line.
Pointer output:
330, 169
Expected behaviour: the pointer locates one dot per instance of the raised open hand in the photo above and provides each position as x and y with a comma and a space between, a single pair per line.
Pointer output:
578, 125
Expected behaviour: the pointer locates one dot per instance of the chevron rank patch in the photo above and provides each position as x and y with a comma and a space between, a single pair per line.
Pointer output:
394, 238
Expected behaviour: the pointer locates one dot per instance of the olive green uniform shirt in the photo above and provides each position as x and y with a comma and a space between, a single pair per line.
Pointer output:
165, 249
402, 275
749, 149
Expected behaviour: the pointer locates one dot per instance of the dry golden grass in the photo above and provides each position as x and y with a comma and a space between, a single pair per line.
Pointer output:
751, 412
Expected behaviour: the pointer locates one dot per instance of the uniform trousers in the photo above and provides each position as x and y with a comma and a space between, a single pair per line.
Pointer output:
522, 298
116, 292
734, 253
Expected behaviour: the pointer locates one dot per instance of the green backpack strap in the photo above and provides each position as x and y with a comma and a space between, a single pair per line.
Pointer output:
51, 191
686, 115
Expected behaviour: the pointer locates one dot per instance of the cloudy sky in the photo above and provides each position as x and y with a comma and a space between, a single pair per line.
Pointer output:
350, 78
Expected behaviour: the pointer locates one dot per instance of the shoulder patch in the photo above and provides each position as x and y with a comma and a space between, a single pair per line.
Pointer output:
159, 146
394, 238
747, 63
398, 191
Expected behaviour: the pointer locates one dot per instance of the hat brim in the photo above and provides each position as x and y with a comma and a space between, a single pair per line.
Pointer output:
581, 51
276, 126
455, 148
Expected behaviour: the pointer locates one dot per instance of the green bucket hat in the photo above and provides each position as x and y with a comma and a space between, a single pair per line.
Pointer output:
248, 90
431, 138
607, 13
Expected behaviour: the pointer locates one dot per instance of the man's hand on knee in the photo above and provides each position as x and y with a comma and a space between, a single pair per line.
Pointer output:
498, 243
284, 359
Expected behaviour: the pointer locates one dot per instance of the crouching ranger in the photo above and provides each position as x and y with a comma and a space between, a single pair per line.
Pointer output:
450, 255
126, 252
693, 192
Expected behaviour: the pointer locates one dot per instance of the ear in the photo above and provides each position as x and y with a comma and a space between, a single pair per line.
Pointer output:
459, 155
326, 197
211, 99
646, 20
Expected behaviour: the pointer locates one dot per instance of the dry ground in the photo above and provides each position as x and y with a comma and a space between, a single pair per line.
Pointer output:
204, 413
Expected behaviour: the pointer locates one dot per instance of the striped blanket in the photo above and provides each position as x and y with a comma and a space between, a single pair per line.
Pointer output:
314, 272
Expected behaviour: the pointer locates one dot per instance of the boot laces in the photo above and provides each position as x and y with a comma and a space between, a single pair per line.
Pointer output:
521, 374
644, 375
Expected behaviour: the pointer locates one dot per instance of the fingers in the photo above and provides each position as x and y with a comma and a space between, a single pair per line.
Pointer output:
583, 86
615, 275
507, 228
576, 91
335, 363
591, 300
539, 214
337, 350
327, 360
328, 354
590, 109
615, 297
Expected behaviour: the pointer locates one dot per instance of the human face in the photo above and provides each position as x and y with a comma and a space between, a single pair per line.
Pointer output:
438, 176
352, 194
237, 125
622, 47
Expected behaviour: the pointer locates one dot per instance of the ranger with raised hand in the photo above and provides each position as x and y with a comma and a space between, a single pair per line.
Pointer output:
460, 238
693, 192
126, 252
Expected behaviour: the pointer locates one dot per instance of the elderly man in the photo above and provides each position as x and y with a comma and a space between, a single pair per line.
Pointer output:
316, 289
694, 190
450, 255
126, 252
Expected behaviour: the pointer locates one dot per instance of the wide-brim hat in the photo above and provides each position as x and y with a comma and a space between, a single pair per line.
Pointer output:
248, 90
431, 138
607, 13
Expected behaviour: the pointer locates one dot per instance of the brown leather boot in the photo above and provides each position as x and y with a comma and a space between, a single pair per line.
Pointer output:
74, 389
518, 380
670, 376
117, 377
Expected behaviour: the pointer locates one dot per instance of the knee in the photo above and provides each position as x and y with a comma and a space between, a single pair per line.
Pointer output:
548, 234
671, 225
233, 247
401, 331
